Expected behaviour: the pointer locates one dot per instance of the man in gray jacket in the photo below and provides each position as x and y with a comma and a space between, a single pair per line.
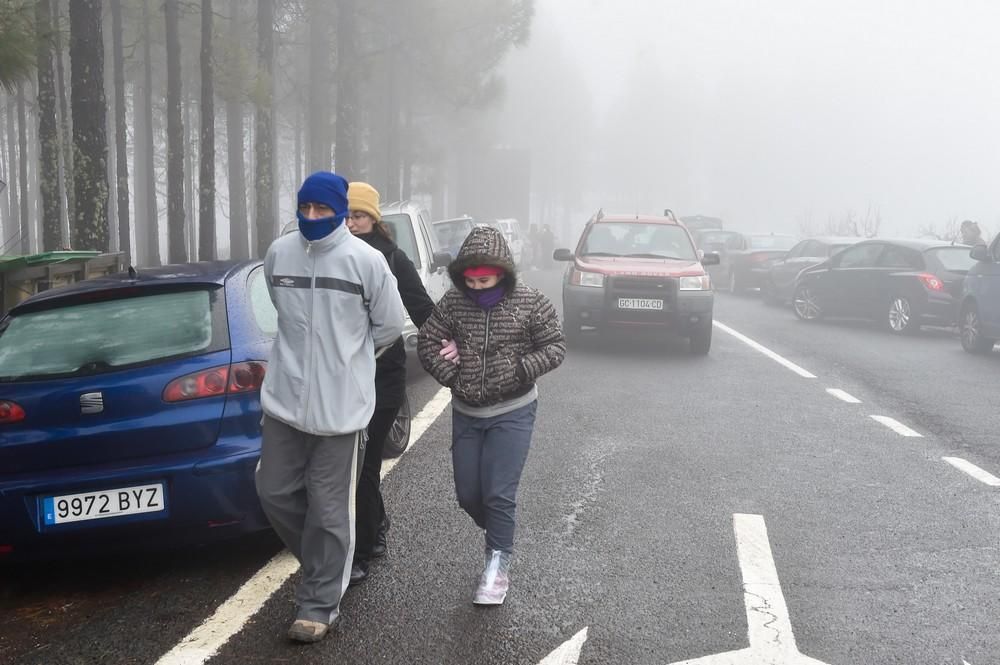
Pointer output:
337, 303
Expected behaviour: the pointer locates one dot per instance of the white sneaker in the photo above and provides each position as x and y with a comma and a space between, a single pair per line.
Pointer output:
495, 580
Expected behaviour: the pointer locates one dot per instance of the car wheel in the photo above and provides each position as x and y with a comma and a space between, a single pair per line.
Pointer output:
902, 319
972, 331
806, 305
399, 434
701, 339
734, 283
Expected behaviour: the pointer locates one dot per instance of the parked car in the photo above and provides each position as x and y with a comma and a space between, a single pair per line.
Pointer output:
630, 271
779, 284
130, 410
979, 313
899, 284
749, 259
451, 233
720, 242
700, 222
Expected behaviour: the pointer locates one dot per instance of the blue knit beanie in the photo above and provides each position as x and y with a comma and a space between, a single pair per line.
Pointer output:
326, 188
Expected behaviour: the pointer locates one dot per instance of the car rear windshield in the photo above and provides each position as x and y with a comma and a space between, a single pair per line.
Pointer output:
772, 242
953, 259
98, 337
663, 241
402, 235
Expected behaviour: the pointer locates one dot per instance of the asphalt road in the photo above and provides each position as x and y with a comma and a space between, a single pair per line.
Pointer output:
673, 506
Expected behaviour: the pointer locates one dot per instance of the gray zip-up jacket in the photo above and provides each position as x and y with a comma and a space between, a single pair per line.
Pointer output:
337, 302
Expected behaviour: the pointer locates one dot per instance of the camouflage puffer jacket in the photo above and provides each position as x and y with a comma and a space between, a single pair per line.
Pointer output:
503, 350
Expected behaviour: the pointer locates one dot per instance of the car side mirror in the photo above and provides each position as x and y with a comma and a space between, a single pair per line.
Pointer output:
562, 254
711, 259
440, 260
980, 253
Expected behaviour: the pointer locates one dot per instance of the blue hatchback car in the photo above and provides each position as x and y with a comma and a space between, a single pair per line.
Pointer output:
130, 410
979, 314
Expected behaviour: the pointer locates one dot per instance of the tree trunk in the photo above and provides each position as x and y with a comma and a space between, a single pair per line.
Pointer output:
121, 135
151, 209
206, 191
48, 132
264, 130
239, 247
318, 95
13, 230
345, 151
66, 126
22, 176
190, 182
90, 141
176, 249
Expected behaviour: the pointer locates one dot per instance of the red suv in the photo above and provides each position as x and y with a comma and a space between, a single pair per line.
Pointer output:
638, 271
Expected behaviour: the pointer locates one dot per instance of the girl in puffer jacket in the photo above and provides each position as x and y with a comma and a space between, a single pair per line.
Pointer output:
489, 339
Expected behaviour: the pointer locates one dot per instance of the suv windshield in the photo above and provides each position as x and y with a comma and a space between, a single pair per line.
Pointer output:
654, 241
98, 337
452, 233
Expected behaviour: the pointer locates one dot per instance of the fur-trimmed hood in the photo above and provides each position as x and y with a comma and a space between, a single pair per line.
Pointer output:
484, 246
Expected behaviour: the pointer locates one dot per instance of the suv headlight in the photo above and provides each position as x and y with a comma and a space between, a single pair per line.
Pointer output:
581, 278
699, 283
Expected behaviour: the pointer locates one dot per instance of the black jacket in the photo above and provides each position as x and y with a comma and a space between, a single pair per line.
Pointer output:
390, 369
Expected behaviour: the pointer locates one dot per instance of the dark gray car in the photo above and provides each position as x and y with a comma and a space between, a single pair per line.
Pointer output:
779, 285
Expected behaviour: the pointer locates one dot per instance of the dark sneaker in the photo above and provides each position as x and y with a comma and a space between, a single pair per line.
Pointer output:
495, 580
303, 630
379, 548
359, 572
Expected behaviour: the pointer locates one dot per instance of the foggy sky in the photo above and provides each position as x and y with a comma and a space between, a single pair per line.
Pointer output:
767, 112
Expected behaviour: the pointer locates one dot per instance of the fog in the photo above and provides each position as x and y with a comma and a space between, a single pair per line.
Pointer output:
781, 115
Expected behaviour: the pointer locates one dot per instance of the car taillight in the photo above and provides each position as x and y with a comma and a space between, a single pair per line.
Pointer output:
931, 282
238, 378
10, 412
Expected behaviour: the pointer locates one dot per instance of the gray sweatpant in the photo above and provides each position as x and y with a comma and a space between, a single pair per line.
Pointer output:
307, 484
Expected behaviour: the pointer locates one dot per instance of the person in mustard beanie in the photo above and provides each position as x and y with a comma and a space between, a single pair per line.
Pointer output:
362, 197
365, 222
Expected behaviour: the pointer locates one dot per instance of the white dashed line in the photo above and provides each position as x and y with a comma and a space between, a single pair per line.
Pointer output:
897, 427
982, 476
843, 396
766, 351
205, 641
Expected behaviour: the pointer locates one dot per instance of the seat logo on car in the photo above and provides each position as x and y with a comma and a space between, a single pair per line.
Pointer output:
91, 403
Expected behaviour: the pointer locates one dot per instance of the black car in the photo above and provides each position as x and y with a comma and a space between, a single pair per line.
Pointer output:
899, 284
779, 283
745, 258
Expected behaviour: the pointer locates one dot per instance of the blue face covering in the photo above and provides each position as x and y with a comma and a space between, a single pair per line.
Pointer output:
488, 298
314, 229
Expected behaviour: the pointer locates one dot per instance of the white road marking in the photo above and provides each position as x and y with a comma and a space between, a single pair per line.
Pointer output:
897, 427
769, 628
843, 396
568, 653
205, 641
968, 467
766, 351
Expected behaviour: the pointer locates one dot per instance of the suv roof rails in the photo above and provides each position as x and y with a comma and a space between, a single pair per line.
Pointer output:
667, 212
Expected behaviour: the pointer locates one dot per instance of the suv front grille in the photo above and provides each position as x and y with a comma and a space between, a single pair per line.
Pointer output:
647, 288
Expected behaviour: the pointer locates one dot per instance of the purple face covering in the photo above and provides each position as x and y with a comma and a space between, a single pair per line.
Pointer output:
487, 298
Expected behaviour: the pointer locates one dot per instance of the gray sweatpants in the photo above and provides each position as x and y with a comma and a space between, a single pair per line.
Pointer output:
307, 484
488, 456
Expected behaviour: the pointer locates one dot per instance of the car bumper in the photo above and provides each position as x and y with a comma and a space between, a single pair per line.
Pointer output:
208, 496
939, 310
683, 311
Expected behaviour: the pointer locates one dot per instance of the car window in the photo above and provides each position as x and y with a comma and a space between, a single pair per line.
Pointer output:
772, 242
402, 235
953, 259
833, 249
98, 337
800, 249
641, 240
864, 256
900, 257
264, 313
452, 233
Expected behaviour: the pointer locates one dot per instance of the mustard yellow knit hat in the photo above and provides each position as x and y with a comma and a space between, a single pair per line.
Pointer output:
363, 197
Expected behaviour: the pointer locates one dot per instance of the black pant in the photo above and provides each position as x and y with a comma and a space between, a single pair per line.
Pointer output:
370, 508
